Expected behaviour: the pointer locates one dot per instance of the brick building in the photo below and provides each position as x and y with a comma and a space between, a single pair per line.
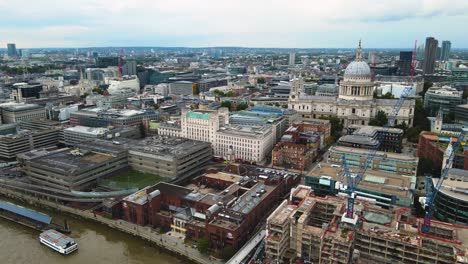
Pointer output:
300, 144
432, 146
222, 207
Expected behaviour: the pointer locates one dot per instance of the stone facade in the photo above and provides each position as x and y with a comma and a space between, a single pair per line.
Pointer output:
355, 104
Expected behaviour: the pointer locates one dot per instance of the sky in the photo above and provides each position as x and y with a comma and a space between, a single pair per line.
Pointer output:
244, 23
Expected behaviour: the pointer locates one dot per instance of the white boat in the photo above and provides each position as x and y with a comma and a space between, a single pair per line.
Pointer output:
58, 241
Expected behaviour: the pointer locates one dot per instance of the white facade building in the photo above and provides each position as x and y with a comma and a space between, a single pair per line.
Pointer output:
355, 103
246, 142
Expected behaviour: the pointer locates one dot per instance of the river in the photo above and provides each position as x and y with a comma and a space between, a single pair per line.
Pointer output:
97, 244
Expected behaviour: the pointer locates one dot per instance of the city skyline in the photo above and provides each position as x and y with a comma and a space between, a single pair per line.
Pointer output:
262, 24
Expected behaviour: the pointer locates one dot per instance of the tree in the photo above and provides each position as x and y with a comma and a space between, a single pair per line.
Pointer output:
98, 90
230, 94
226, 104
242, 106
420, 116
402, 126
218, 92
336, 126
427, 85
380, 120
413, 134
227, 253
261, 80
142, 130
388, 95
203, 245
83, 96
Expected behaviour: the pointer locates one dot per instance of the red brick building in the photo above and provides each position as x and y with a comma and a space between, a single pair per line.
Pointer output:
222, 207
300, 144
433, 146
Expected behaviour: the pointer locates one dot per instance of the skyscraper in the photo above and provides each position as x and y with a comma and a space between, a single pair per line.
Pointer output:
430, 55
292, 58
11, 49
446, 46
404, 64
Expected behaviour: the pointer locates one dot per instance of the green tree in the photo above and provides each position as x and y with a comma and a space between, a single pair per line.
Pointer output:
465, 94
230, 94
227, 253
242, 106
219, 93
388, 95
226, 104
203, 245
379, 120
98, 90
420, 116
336, 127
83, 96
413, 134
402, 126
261, 80
427, 85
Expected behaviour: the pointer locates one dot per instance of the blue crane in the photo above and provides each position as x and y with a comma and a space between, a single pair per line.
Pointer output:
448, 165
353, 182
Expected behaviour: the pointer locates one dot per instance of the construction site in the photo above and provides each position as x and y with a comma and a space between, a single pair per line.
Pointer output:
315, 230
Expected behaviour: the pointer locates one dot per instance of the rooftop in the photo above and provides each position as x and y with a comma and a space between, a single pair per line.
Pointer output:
246, 130
373, 180
87, 130
166, 147
20, 107
456, 184
388, 155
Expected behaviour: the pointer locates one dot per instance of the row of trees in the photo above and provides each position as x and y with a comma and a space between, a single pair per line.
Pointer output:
239, 107
222, 94
33, 69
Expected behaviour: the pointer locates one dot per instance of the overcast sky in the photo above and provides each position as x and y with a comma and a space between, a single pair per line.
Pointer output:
246, 23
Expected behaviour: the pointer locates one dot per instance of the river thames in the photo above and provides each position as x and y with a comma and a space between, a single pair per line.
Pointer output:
97, 244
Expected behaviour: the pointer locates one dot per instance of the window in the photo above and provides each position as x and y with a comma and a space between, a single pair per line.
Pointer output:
353, 110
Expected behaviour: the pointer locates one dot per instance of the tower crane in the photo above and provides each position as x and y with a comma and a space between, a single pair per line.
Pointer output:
430, 201
353, 182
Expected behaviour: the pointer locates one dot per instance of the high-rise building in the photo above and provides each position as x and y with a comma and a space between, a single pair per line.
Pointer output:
292, 58
430, 55
404, 64
438, 53
446, 46
11, 49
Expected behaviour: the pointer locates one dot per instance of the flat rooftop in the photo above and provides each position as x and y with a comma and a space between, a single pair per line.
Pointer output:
18, 107
373, 180
455, 185
379, 154
94, 131
166, 146
245, 130
280, 216
64, 160
223, 176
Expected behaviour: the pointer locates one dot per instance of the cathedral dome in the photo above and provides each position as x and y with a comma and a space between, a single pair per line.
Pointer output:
357, 69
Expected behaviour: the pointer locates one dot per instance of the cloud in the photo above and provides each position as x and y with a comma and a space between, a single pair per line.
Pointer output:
292, 23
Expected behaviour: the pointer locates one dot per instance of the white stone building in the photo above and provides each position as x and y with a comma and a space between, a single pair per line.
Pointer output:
355, 103
246, 142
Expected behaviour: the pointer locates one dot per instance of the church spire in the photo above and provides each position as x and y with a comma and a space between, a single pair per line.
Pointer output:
359, 52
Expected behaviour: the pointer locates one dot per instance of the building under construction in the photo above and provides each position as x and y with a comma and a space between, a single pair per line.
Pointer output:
314, 230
